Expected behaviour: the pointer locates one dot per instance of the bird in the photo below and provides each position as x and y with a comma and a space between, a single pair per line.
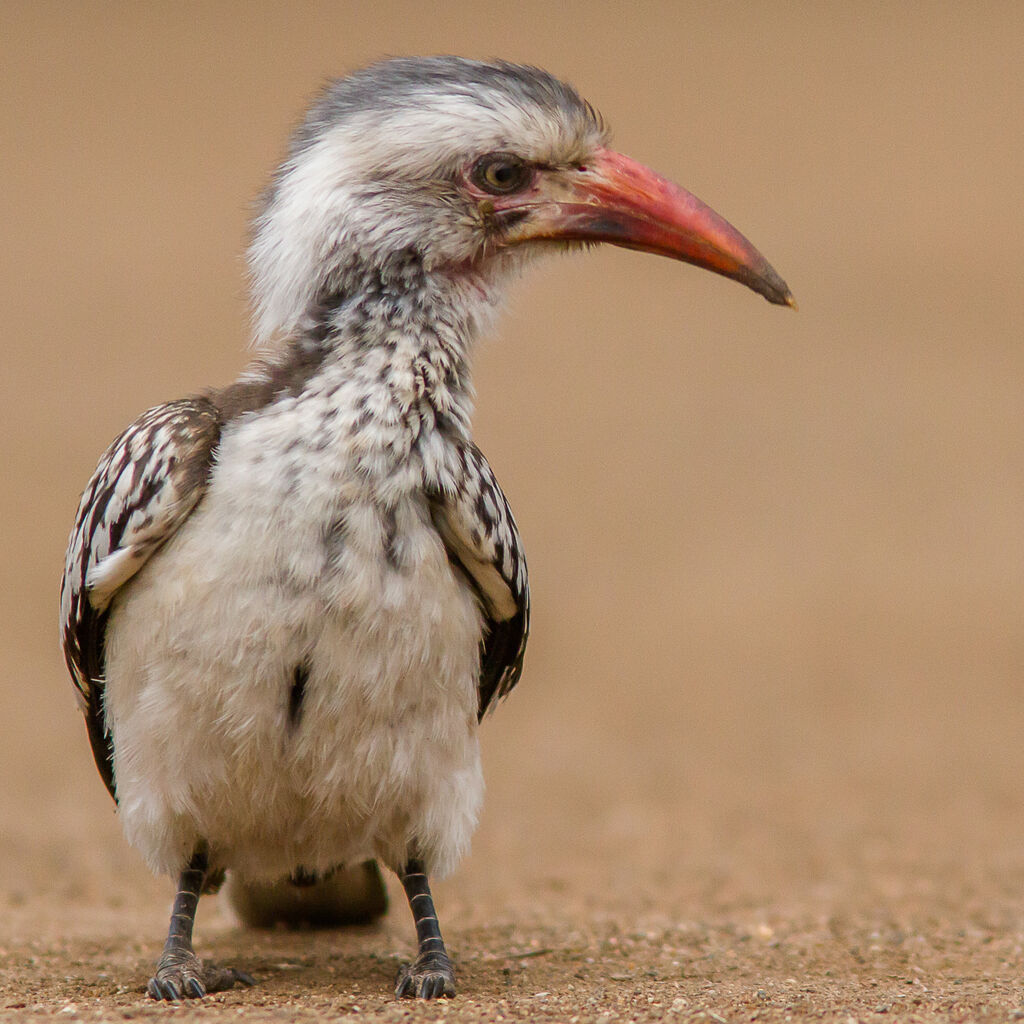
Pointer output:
288, 603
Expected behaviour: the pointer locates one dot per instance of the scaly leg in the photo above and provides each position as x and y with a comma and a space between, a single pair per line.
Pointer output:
431, 975
179, 972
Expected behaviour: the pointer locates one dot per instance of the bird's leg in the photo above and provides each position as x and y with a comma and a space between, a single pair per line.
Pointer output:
431, 975
179, 972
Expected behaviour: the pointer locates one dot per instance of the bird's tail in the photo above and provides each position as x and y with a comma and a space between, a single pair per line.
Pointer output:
343, 896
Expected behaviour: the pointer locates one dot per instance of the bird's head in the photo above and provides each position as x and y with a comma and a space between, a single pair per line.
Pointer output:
468, 168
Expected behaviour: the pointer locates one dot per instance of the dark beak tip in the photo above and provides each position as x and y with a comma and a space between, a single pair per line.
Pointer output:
783, 298
768, 283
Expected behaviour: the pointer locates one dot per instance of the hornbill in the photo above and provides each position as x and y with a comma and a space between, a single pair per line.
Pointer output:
288, 603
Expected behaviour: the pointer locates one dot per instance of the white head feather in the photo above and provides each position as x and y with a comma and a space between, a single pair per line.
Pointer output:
374, 172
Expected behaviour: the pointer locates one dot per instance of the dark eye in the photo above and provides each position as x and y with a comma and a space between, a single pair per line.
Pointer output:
501, 174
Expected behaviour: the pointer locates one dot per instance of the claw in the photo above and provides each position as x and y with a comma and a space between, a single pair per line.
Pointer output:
187, 976
429, 977
194, 988
164, 988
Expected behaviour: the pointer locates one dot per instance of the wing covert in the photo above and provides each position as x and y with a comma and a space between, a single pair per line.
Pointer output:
480, 534
146, 484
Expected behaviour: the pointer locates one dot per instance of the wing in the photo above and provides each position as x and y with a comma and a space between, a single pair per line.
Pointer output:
477, 527
145, 486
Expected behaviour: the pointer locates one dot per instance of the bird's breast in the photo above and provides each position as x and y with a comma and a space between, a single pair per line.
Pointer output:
307, 607
330, 505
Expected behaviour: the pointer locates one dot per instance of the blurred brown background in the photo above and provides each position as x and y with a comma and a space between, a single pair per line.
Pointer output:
777, 559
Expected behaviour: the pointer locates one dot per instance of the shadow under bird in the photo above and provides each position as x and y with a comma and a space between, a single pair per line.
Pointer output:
288, 603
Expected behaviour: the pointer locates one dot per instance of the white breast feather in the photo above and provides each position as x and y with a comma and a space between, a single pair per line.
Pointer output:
201, 655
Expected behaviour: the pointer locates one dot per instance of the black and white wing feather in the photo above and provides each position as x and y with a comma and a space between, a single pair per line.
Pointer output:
480, 534
145, 486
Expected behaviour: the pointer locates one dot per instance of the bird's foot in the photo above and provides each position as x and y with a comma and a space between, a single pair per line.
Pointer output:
431, 976
182, 975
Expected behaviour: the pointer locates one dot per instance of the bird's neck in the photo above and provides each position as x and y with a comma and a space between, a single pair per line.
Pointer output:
405, 334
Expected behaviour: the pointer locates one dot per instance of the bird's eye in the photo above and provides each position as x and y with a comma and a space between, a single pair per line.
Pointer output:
501, 174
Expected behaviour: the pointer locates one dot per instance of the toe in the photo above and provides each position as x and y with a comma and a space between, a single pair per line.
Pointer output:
180, 977
404, 986
165, 988
194, 988
220, 979
423, 984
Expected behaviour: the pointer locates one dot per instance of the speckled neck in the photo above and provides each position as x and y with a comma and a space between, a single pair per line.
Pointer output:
405, 333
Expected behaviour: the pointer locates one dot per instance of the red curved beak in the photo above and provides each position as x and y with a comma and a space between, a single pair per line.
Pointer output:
615, 199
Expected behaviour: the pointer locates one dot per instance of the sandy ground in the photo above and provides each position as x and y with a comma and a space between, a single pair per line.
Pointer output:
766, 760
